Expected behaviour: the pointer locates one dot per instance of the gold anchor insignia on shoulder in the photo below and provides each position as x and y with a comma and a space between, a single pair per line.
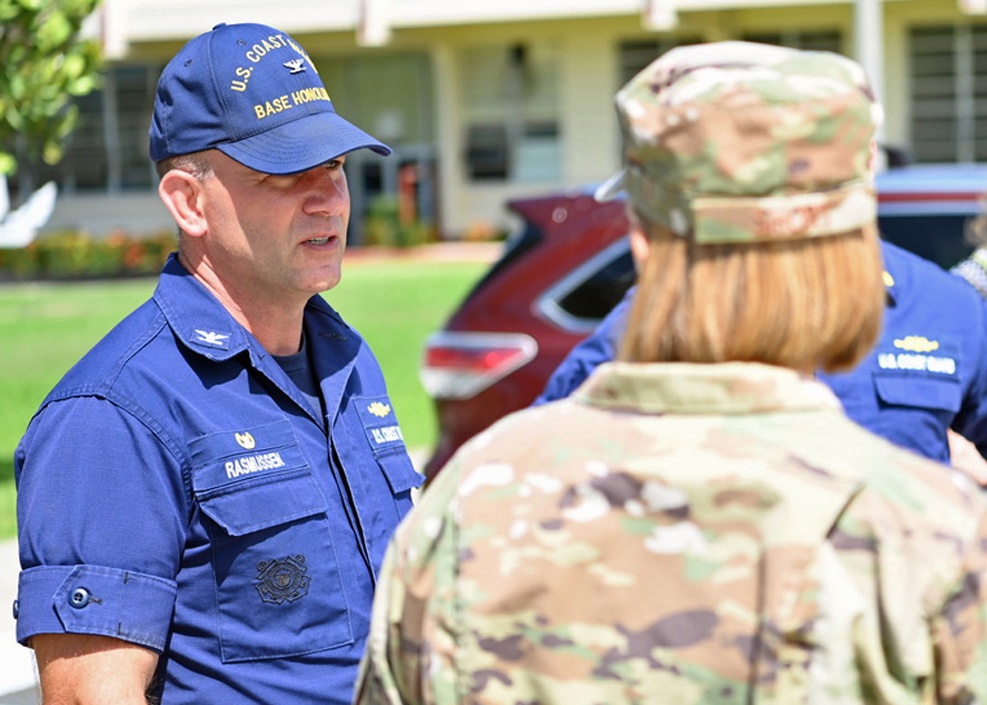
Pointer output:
245, 440
916, 343
378, 409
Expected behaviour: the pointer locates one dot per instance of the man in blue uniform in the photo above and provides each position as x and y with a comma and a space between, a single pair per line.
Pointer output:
204, 500
926, 375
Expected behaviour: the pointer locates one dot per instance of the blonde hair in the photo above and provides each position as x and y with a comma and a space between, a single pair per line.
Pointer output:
810, 303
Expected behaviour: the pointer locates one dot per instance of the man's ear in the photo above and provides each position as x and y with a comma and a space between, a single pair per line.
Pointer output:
181, 193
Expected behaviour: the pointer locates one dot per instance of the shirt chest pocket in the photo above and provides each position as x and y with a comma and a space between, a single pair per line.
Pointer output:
279, 591
938, 394
920, 373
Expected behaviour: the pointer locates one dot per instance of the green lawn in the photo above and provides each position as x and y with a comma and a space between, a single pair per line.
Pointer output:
45, 328
395, 306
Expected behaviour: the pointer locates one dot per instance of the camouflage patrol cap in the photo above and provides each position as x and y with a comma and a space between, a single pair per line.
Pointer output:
738, 141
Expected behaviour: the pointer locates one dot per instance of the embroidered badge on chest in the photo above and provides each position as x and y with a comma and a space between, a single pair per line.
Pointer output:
282, 580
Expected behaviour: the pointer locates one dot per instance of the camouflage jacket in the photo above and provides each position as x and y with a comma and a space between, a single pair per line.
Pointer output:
685, 534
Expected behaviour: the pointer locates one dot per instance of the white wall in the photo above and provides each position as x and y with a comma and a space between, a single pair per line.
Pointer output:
587, 40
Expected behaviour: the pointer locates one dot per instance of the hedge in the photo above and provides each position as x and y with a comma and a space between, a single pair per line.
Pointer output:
77, 255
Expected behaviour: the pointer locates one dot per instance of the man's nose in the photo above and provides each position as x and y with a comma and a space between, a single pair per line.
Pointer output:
326, 190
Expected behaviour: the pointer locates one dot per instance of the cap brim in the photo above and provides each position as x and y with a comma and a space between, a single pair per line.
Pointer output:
611, 188
302, 144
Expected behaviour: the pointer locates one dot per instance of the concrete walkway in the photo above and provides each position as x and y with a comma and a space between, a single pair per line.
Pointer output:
18, 675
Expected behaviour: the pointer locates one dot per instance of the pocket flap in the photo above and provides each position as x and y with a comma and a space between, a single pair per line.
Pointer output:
254, 478
919, 392
400, 472
281, 498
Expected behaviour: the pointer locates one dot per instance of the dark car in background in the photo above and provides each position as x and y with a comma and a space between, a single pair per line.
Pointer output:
569, 263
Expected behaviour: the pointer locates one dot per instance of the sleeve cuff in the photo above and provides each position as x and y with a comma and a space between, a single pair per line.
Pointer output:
85, 599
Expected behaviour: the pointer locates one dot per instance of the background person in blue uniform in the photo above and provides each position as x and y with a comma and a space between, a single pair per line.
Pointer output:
204, 500
926, 375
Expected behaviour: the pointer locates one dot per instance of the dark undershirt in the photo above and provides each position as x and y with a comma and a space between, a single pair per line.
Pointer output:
299, 369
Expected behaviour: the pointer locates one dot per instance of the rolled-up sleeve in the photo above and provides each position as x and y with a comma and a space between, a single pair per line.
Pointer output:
88, 599
102, 512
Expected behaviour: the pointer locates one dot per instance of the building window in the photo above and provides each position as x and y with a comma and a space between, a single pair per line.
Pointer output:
635, 55
512, 125
948, 83
108, 149
825, 40
84, 161
135, 88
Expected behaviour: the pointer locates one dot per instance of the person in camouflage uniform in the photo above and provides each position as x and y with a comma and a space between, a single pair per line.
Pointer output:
699, 522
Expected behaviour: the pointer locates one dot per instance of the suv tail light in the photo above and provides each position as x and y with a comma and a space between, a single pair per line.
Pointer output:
461, 365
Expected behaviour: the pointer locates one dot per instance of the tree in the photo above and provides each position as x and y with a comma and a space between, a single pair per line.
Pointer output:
43, 64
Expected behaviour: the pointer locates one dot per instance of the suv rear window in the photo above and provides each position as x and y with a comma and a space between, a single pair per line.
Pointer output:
599, 292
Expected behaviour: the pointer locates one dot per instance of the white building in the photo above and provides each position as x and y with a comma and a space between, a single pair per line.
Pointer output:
486, 100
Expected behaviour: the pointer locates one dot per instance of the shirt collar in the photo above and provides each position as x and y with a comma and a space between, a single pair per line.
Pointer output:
196, 317
204, 325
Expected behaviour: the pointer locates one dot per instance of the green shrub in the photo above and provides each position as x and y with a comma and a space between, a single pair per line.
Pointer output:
78, 255
385, 226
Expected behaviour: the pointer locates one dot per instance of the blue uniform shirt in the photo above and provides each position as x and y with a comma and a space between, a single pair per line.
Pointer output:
927, 373
177, 491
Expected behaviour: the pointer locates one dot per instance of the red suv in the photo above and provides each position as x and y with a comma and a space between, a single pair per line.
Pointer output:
569, 264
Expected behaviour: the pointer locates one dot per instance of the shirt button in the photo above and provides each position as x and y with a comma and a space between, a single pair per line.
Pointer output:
17, 608
79, 598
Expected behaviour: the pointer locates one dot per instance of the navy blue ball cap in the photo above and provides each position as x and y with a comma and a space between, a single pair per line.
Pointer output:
251, 92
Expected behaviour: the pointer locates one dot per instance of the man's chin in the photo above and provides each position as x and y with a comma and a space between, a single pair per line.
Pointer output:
324, 282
